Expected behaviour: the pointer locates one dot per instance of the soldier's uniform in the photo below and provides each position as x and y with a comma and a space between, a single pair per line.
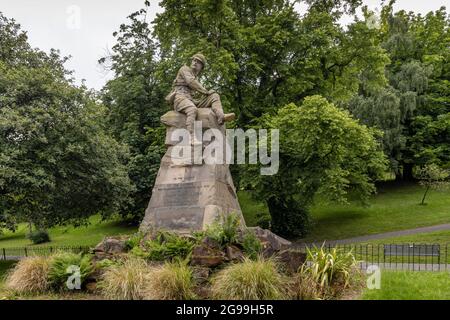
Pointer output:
181, 96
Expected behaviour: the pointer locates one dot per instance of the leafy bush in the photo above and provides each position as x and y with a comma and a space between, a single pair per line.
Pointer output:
165, 246
263, 220
249, 280
225, 229
38, 236
172, 281
134, 240
125, 280
29, 275
60, 264
105, 263
330, 270
251, 245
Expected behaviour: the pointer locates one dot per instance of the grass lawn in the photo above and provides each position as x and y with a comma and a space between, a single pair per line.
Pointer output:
393, 208
250, 208
4, 267
438, 237
404, 285
66, 236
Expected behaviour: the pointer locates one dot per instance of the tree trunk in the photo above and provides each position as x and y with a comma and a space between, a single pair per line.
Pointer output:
424, 195
408, 172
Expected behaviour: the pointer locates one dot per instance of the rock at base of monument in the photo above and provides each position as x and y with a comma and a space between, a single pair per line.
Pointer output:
271, 243
233, 253
206, 256
200, 274
110, 246
291, 260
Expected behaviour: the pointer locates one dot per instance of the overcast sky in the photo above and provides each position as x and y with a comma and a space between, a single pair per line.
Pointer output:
83, 28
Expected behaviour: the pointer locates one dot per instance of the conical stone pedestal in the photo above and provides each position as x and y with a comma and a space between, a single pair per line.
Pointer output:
189, 197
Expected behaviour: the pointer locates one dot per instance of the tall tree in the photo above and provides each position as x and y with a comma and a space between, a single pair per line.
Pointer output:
415, 101
135, 101
323, 150
58, 165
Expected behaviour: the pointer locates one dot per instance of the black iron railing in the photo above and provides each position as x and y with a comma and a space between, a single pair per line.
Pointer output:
20, 252
409, 256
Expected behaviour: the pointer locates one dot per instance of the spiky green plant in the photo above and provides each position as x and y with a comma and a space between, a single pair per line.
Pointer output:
327, 267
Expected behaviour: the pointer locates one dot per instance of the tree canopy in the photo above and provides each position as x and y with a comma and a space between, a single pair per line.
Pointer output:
58, 164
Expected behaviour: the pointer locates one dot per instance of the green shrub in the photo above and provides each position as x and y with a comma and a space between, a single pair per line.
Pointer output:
249, 280
125, 280
330, 270
134, 240
105, 263
263, 220
251, 245
60, 264
38, 236
29, 275
165, 246
225, 229
171, 281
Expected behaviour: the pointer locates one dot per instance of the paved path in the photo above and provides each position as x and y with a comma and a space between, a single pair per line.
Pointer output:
439, 227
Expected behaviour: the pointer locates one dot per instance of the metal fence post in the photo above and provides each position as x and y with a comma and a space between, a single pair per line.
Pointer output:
4, 254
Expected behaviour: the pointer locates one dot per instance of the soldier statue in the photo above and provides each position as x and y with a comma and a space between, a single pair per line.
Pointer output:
184, 87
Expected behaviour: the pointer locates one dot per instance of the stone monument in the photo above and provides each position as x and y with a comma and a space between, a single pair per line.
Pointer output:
189, 195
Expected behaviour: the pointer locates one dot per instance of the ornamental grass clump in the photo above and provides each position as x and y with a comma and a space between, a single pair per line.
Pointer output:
249, 280
171, 281
331, 270
66, 264
29, 276
125, 280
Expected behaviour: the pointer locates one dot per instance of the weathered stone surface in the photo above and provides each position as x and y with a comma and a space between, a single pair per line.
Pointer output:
205, 256
189, 197
201, 274
233, 253
270, 240
291, 259
91, 287
211, 243
110, 246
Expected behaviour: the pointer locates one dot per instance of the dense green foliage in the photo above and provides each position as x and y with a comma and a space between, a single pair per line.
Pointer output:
164, 246
38, 236
60, 264
58, 165
413, 108
312, 164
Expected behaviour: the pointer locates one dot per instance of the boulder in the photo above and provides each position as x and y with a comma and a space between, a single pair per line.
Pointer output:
200, 274
205, 256
91, 287
109, 247
233, 253
271, 243
291, 260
